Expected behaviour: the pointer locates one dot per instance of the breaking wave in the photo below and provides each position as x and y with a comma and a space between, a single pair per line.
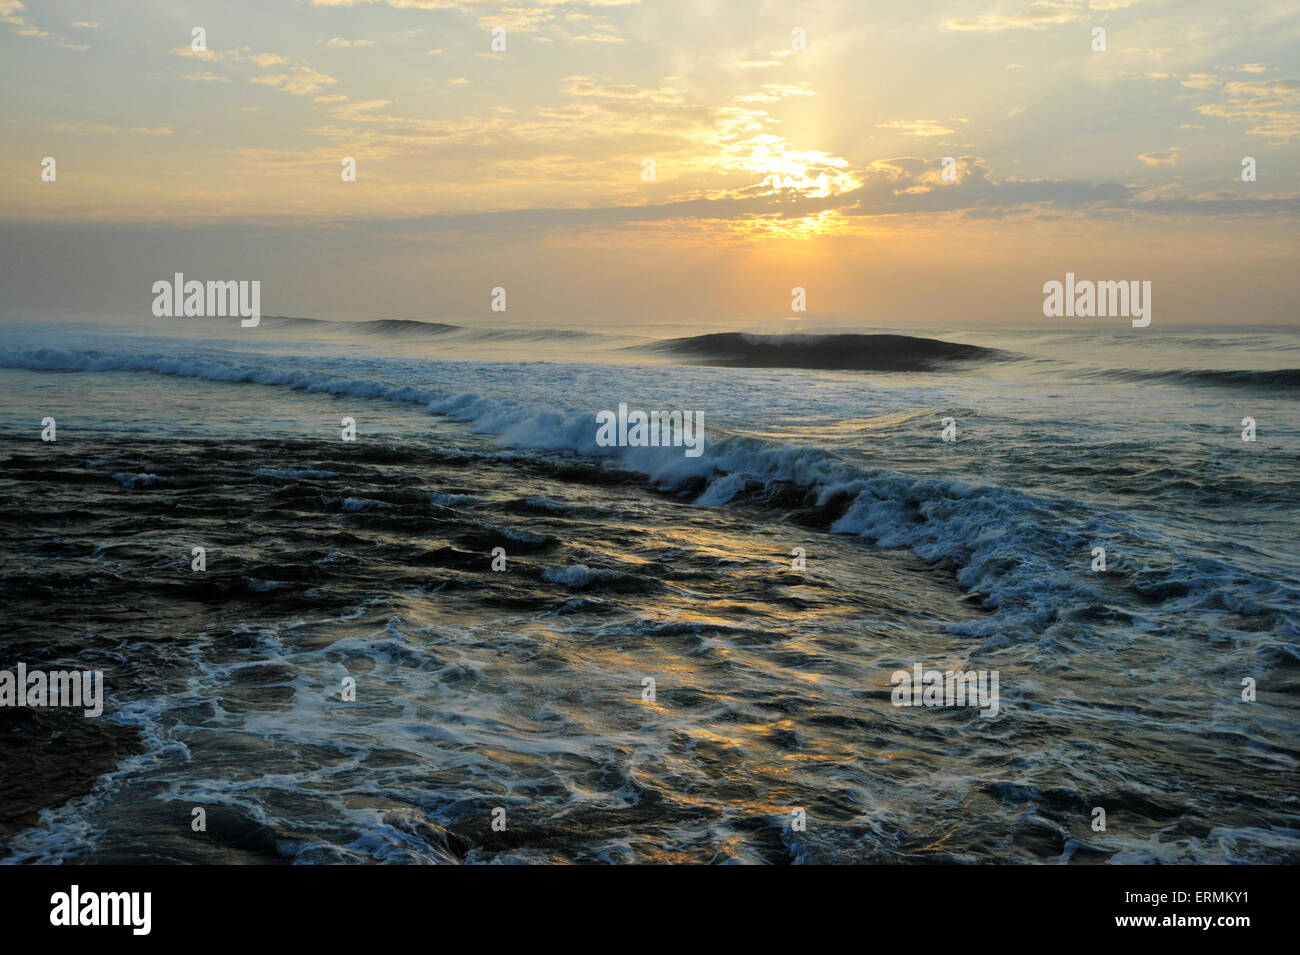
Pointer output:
1009, 549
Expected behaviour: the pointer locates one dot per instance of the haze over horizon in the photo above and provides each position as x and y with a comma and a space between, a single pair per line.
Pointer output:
774, 167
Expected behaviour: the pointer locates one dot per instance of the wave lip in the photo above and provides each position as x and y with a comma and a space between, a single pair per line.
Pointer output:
846, 352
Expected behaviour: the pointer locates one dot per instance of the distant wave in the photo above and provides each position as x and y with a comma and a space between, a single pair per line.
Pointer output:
413, 328
1286, 378
830, 352
387, 327
534, 334
402, 326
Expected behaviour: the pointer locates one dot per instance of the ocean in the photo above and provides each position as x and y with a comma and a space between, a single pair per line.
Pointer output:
474, 634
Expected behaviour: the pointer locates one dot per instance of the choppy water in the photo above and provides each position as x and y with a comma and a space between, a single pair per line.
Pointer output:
523, 689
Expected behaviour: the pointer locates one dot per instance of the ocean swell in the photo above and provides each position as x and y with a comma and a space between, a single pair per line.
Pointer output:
826, 352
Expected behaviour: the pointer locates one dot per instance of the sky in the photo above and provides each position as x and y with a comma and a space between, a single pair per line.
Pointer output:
793, 145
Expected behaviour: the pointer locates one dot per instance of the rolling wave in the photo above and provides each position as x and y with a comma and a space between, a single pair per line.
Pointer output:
407, 328
828, 352
382, 327
1284, 378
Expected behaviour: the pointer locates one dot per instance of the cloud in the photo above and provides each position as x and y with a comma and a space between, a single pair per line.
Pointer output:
303, 81
605, 37
1154, 52
891, 187
726, 142
516, 20
11, 12
1161, 157
82, 129
775, 92
914, 185
917, 127
201, 54
1039, 15
237, 55
1272, 105
588, 86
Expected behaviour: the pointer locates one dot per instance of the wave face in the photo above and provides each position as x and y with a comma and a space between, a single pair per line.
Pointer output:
826, 352
522, 687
